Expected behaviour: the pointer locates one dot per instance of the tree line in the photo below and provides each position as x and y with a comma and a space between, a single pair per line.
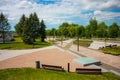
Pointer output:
30, 28
93, 30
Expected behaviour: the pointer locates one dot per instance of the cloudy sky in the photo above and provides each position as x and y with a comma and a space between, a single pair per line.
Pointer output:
55, 12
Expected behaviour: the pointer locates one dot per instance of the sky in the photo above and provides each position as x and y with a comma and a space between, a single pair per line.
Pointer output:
55, 12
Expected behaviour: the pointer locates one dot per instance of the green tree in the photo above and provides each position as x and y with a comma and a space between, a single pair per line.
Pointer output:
4, 26
102, 30
20, 26
43, 34
113, 30
34, 26
93, 27
87, 31
53, 32
28, 28
64, 28
119, 33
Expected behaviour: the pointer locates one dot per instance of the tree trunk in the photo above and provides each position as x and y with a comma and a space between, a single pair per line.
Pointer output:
42, 39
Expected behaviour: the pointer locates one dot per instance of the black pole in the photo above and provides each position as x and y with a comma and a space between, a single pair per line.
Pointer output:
78, 44
37, 64
68, 67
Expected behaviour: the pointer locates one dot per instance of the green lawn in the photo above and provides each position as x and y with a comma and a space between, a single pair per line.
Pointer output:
113, 50
18, 44
41, 74
83, 42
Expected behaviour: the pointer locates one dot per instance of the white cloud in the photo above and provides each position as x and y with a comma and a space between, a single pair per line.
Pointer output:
102, 15
100, 4
64, 10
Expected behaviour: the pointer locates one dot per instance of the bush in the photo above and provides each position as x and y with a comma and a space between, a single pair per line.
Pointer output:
26, 39
112, 50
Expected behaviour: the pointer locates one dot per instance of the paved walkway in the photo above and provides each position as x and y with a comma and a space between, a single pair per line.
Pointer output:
109, 62
51, 56
54, 55
5, 54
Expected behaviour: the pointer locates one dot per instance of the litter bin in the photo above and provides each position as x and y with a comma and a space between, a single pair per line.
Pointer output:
37, 64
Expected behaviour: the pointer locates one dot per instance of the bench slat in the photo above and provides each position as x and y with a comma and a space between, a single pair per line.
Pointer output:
52, 67
88, 70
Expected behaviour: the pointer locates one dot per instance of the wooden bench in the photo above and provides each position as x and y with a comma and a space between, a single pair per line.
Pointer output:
108, 46
52, 67
88, 71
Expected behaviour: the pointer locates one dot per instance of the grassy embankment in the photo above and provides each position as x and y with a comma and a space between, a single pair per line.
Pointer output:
112, 50
83, 42
41, 74
18, 44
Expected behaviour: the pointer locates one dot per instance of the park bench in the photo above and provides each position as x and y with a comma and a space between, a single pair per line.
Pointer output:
52, 67
108, 46
88, 71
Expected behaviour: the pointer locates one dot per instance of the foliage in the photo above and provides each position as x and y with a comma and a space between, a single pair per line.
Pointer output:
112, 50
42, 29
85, 43
93, 30
67, 30
18, 44
27, 28
113, 30
102, 30
93, 27
41, 74
4, 26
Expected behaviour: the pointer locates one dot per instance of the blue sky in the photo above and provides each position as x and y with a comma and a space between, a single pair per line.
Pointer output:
55, 12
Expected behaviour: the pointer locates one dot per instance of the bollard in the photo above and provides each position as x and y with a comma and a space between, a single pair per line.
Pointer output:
68, 67
37, 64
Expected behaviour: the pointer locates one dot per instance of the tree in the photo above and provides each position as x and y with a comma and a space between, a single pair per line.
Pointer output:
23, 29
93, 27
87, 31
20, 26
27, 28
102, 30
64, 28
4, 26
53, 32
34, 26
79, 30
113, 30
43, 34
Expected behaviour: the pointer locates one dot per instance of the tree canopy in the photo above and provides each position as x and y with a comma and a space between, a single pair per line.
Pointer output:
30, 28
4, 26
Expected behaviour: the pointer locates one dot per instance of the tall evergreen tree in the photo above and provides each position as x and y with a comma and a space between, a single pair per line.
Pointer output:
42, 30
20, 26
4, 26
34, 26
27, 28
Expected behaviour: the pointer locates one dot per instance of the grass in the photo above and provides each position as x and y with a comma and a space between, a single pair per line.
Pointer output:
112, 51
83, 42
52, 41
18, 44
41, 74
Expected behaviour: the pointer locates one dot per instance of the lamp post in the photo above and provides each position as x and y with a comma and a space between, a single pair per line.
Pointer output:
78, 44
